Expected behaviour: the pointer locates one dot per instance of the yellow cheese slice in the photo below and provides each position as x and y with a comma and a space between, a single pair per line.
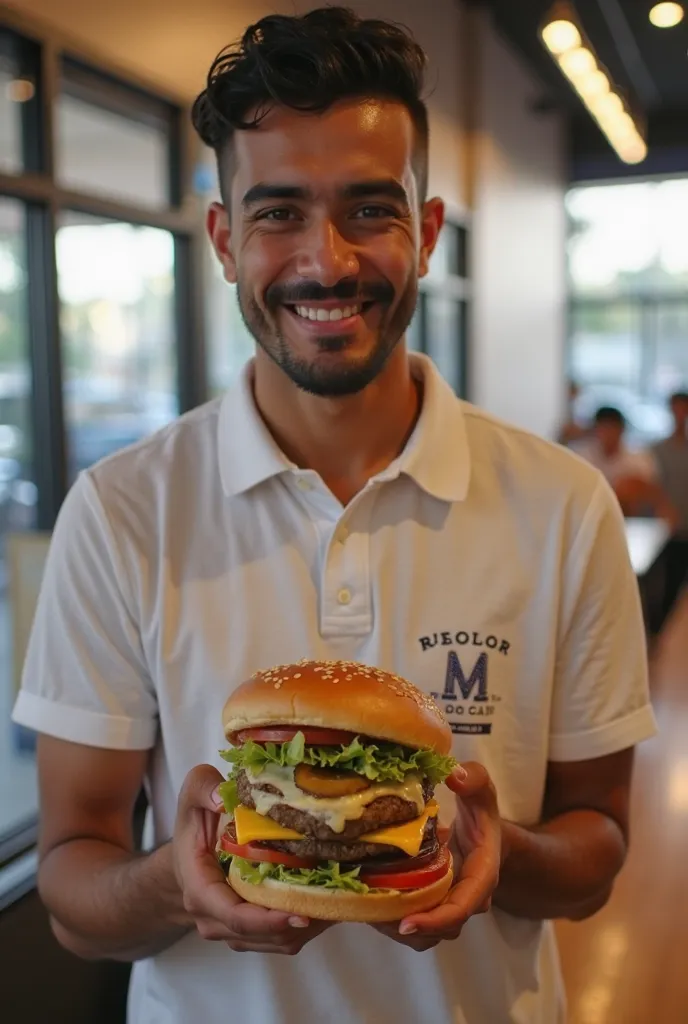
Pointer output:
409, 836
251, 826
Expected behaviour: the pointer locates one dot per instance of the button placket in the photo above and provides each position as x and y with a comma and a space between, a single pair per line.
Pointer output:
346, 602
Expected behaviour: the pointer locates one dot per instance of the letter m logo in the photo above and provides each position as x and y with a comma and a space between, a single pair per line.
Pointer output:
455, 677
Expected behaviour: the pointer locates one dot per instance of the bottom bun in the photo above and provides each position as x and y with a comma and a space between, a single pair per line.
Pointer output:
338, 905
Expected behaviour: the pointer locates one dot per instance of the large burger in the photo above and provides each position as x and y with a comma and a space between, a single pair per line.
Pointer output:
329, 804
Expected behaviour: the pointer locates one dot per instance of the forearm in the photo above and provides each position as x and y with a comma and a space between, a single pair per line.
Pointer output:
108, 903
563, 868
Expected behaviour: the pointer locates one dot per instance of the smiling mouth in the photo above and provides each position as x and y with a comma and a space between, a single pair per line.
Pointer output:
321, 315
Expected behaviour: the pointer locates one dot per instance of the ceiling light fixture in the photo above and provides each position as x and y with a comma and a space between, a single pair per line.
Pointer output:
564, 38
666, 15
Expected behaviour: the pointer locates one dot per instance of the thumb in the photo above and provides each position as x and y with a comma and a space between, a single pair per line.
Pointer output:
199, 790
469, 779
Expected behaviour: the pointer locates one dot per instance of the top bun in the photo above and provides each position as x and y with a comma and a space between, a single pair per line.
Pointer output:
338, 695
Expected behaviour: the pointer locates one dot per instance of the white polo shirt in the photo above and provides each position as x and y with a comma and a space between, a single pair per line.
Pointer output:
485, 564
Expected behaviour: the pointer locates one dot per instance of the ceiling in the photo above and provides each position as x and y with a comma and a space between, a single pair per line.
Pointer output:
650, 64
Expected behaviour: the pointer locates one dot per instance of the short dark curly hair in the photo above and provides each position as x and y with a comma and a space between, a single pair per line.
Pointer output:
309, 63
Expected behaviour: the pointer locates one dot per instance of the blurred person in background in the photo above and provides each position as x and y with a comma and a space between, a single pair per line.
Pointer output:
634, 475
571, 431
338, 502
671, 460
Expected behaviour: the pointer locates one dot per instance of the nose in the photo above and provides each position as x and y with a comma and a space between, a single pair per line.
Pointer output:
326, 255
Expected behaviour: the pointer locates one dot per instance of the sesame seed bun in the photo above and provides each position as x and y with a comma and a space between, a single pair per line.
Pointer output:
335, 905
338, 695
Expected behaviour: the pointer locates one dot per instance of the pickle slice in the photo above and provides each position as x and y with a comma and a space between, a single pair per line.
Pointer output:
328, 781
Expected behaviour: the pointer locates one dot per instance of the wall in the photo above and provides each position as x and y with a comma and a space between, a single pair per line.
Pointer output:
517, 185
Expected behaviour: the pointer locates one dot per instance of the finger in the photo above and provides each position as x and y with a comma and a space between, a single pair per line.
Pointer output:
478, 878
249, 921
291, 937
200, 790
470, 779
286, 949
444, 833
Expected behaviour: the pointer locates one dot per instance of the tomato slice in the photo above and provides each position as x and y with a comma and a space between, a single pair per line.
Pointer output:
282, 734
415, 879
249, 851
400, 865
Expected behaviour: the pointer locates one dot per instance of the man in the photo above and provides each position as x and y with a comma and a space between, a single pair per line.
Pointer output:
632, 474
340, 502
671, 458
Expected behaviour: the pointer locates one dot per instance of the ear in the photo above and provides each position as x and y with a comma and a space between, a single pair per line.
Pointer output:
431, 225
219, 231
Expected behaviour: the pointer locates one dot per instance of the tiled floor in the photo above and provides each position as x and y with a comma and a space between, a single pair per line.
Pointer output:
627, 965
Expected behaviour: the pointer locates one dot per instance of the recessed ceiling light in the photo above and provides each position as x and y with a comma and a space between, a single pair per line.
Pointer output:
560, 36
666, 15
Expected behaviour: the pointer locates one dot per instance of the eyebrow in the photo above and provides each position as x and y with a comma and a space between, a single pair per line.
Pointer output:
388, 187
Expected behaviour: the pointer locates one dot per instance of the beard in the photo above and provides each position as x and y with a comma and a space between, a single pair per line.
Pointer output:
348, 377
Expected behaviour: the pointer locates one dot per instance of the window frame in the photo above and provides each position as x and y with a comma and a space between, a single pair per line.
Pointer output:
43, 198
453, 284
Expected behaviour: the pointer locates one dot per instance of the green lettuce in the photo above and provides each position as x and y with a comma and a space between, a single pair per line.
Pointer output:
380, 762
229, 794
329, 876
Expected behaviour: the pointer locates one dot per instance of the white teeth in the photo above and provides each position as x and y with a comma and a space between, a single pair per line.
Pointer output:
310, 313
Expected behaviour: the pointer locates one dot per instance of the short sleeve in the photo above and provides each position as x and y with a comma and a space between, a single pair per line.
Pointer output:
85, 676
601, 701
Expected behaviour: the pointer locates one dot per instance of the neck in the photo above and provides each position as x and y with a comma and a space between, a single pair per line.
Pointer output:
345, 440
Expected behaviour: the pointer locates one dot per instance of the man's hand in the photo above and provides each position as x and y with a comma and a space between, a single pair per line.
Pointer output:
215, 909
476, 843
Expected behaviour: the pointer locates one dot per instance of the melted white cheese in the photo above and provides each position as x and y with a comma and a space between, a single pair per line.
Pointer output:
333, 811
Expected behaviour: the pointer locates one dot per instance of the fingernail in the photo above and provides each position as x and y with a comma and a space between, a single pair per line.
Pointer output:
298, 922
217, 799
460, 774
407, 928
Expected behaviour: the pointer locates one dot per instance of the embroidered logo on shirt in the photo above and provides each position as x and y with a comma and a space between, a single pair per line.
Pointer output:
466, 699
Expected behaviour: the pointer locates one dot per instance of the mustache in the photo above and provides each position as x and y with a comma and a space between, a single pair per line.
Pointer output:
347, 290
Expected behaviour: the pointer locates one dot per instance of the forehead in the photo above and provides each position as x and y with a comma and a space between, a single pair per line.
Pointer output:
367, 139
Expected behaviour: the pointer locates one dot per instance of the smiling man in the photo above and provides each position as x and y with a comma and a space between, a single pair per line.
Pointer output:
339, 503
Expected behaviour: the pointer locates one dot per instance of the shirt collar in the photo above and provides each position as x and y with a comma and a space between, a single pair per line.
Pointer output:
436, 456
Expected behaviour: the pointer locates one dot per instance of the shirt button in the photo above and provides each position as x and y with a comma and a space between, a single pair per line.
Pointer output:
303, 484
344, 596
342, 534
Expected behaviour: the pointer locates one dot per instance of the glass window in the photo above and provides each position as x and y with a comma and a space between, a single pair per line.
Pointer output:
445, 342
18, 799
628, 274
671, 348
116, 287
606, 345
18, 102
628, 239
230, 343
112, 143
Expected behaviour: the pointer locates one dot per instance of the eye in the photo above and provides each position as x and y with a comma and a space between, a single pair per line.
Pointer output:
374, 211
278, 213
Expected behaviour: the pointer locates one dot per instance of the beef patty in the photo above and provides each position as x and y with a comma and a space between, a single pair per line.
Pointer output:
386, 810
352, 852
